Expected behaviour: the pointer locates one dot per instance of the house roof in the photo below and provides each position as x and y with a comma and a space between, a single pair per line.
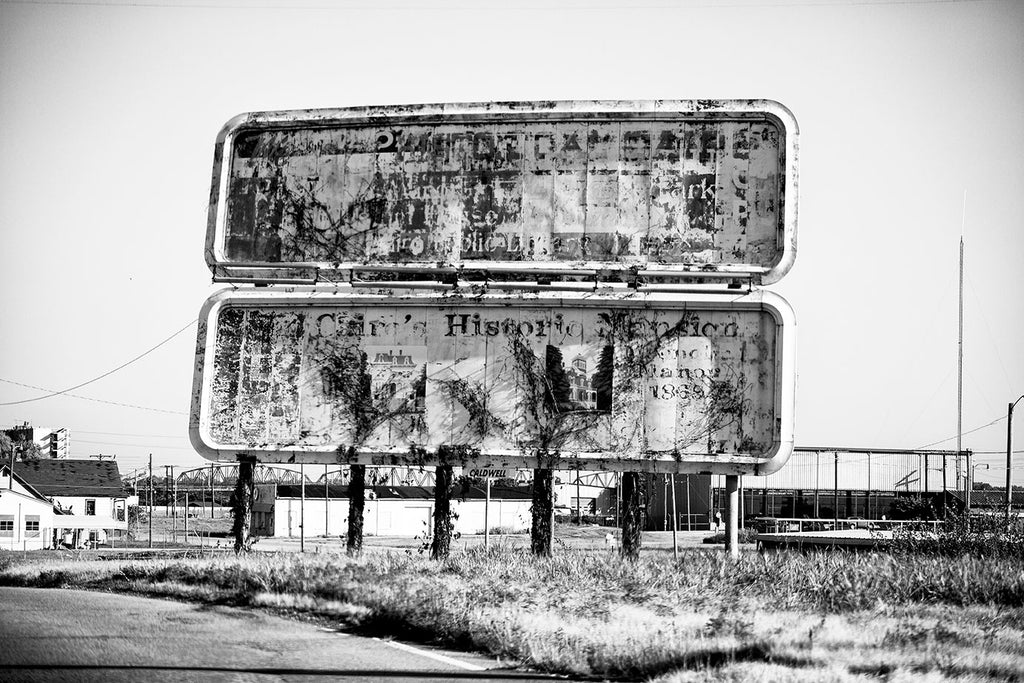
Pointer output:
994, 499
62, 477
32, 491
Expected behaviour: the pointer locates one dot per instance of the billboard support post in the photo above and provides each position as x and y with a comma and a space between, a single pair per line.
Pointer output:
242, 509
732, 509
631, 523
542, 526
356, 505
441, 544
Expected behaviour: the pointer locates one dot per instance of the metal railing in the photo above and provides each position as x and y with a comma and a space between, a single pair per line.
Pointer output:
795, 525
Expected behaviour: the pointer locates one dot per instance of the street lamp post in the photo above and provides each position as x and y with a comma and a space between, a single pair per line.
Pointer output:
1009, 456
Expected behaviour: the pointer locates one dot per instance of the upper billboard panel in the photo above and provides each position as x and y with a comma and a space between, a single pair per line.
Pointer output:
592, 381
669, 187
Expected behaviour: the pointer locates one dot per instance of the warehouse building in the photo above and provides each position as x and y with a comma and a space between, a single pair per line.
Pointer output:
288, 509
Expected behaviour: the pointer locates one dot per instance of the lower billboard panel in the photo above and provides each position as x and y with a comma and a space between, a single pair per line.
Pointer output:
622, 381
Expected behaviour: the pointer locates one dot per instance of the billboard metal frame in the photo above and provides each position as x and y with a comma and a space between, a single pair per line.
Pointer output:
297, 297
226, 270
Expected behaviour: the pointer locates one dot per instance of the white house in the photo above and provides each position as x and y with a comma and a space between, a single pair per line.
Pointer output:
26, 515
88, 499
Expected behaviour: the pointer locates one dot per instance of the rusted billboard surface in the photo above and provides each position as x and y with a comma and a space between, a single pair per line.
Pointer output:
687, 186
631, 381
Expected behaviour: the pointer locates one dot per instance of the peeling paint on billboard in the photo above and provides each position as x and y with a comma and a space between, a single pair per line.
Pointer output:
620, 186
635, 381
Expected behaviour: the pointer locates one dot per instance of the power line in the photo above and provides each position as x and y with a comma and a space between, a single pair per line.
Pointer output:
132, 445
970, 431
151, 436
105, 374
994, 452
97, 400
456, 6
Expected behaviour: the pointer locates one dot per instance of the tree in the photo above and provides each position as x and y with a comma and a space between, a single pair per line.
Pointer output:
24, 449
557, 389
602, 382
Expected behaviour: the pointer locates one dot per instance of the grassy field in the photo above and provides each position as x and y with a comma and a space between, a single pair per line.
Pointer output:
781, 616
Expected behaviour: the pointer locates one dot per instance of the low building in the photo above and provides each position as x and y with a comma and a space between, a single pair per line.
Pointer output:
26, 515
282, 510
52, 443
88, 498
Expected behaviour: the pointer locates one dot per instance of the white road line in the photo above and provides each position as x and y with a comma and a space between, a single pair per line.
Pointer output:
433, 655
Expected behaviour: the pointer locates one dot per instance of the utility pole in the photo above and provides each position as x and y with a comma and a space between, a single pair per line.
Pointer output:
211, 491
688, 503
675, 520
835, 489
967, 491
487, 511
302, 509
579, 507
1009, 459
174, 507
959, 366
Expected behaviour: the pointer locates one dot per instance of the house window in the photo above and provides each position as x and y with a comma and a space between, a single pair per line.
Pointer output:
31, 526
6, 525
90, 507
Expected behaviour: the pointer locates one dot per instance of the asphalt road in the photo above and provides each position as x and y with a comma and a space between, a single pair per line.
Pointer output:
69, 635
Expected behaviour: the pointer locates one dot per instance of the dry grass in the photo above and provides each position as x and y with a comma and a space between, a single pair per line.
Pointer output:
823, 616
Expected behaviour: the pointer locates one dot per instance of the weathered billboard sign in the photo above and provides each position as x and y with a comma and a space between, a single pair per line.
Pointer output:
695, 187
628, 381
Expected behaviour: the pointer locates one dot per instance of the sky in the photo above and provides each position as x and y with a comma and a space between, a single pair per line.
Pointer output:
910, 136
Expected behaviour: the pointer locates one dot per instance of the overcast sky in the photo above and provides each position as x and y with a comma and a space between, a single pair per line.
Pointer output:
109, 111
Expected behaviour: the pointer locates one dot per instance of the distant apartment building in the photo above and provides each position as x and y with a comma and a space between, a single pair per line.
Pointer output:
53, 443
